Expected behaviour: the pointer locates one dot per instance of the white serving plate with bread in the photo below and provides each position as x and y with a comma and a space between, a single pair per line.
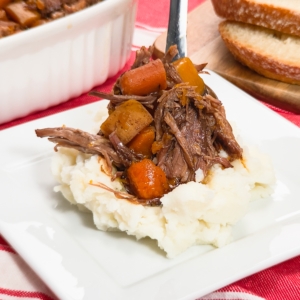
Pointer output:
55, 62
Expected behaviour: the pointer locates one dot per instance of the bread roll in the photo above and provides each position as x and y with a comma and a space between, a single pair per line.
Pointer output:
280, 15
268, 52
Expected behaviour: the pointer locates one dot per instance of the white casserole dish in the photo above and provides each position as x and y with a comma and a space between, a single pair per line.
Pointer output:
55, 62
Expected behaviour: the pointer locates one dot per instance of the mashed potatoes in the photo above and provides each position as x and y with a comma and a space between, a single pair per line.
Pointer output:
191, 214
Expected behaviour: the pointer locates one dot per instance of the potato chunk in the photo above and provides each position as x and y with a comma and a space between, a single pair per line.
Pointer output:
128, 119
20, 13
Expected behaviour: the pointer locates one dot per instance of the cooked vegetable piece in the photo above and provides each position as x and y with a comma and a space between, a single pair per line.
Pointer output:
147, 180
40, 4
144, 80
8, 28
39, 22
3, 16
3, 3
19, 12
74, 7
143, 141
188, 73
128, 119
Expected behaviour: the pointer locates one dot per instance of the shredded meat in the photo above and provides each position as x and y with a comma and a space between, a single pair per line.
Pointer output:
126, 155
195, 133
116, 100
142, 57
171, 53
81, 141
190, 130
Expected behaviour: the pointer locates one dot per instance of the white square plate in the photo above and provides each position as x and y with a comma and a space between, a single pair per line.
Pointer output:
77, 261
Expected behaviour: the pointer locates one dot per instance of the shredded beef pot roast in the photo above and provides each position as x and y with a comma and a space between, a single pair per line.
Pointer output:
190, 130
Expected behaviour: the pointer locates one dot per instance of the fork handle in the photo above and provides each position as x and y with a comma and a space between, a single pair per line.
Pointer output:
177, 26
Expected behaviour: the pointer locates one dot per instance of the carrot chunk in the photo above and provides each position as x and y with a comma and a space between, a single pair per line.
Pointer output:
189, 73
147, 180
143, 141
144, 80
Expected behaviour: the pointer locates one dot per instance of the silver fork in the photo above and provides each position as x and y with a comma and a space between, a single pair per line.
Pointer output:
177, 30
177, 27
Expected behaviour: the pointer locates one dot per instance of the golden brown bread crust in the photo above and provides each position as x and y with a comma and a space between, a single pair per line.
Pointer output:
266, 15
268, 66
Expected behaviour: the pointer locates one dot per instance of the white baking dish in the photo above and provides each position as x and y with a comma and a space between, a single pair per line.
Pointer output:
53, 63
